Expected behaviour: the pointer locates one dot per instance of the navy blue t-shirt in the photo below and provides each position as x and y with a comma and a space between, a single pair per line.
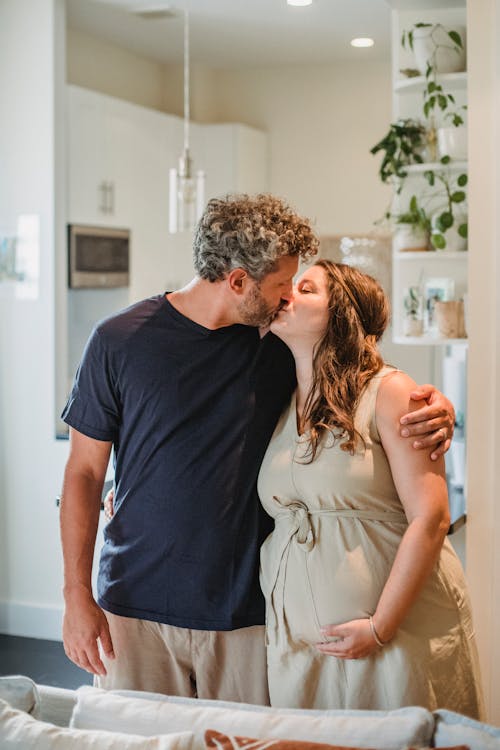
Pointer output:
190, 412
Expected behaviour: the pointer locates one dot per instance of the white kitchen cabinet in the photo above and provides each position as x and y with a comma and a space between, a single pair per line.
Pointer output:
119, 156
155, 138
100, 139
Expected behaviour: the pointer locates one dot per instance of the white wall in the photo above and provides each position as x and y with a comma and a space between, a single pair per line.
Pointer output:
483, 524
31, 53
97, 64
322, 121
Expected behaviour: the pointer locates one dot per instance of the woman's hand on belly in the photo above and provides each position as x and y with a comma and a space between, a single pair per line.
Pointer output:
353, 640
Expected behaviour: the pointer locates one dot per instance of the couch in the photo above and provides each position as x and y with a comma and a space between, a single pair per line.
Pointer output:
49, 718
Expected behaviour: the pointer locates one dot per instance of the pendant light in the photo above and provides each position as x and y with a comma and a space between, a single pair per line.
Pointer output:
187, 190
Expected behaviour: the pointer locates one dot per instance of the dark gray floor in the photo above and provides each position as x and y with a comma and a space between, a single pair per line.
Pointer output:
44, 661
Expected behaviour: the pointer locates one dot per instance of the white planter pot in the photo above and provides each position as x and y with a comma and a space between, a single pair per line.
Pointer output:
434, 39
408, 238
452, 142
454, 242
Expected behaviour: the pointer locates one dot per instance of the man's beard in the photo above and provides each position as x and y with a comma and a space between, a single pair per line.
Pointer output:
255, 311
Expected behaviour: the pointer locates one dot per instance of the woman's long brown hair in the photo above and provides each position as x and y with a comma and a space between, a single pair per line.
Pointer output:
347, 356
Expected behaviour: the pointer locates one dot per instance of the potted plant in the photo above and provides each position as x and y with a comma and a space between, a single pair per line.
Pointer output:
449, 225
452, 139
436, 47
411, 228
403, 145
413, 306
439, 50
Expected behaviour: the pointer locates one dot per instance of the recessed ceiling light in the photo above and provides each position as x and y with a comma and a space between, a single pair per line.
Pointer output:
299, 2
362, 41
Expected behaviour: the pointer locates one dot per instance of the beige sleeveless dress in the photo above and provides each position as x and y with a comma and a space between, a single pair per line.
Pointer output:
338, 524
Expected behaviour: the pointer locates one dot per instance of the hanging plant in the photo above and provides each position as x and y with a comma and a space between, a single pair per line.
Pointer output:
454, 196
438, 47
401, 146
440, 40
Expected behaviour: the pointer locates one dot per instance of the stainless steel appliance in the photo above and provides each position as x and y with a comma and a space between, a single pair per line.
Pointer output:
98, 257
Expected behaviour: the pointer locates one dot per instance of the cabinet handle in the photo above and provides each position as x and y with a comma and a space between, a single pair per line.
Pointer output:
103, 191
111, 197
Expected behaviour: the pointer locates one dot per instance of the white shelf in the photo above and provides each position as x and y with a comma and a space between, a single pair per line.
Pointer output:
418, 83
432, 255
409, 267
426, 340
454, 166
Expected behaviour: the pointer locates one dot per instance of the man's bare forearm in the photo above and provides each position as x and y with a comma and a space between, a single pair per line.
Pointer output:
84, 622
80, 507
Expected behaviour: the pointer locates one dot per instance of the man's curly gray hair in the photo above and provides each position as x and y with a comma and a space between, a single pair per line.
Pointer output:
252, 233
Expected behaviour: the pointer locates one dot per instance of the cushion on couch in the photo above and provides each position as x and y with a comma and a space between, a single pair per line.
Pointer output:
391, 730
452, 728
218, 741
20, 692
20, 731
56, 704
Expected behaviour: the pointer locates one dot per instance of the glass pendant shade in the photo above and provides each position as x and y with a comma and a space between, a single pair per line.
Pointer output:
187, 195
187, 189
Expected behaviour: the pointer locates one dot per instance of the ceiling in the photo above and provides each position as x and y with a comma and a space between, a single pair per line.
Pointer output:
237, 33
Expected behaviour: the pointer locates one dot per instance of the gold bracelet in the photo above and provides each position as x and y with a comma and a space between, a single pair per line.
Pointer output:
375, 634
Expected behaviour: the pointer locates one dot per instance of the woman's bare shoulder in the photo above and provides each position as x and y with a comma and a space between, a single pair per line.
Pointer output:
393, 398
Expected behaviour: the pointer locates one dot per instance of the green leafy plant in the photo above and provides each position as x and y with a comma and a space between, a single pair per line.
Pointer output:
407, 39
454, 196
435, 97
415, 216
412, 302
401, 146
455, 116
410, 72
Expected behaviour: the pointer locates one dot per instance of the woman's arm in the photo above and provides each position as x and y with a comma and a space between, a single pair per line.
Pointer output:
421, 486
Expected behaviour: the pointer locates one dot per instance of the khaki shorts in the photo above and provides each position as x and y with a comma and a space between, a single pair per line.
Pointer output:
223, 665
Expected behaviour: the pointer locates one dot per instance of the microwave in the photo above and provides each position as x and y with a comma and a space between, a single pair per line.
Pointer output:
98, 257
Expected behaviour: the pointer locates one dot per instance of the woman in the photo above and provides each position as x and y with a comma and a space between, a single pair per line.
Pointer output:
366, 601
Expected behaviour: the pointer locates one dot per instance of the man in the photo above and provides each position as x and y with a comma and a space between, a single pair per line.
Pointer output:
188, 394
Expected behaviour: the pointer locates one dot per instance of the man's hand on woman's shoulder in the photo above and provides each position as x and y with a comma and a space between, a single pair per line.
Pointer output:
432, 425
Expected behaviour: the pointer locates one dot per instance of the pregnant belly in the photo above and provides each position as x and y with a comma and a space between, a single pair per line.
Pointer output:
332, 584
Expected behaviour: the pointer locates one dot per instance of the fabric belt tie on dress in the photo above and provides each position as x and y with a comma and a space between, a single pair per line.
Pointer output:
301, 531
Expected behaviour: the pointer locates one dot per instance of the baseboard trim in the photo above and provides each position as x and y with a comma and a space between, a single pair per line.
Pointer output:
31, 620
